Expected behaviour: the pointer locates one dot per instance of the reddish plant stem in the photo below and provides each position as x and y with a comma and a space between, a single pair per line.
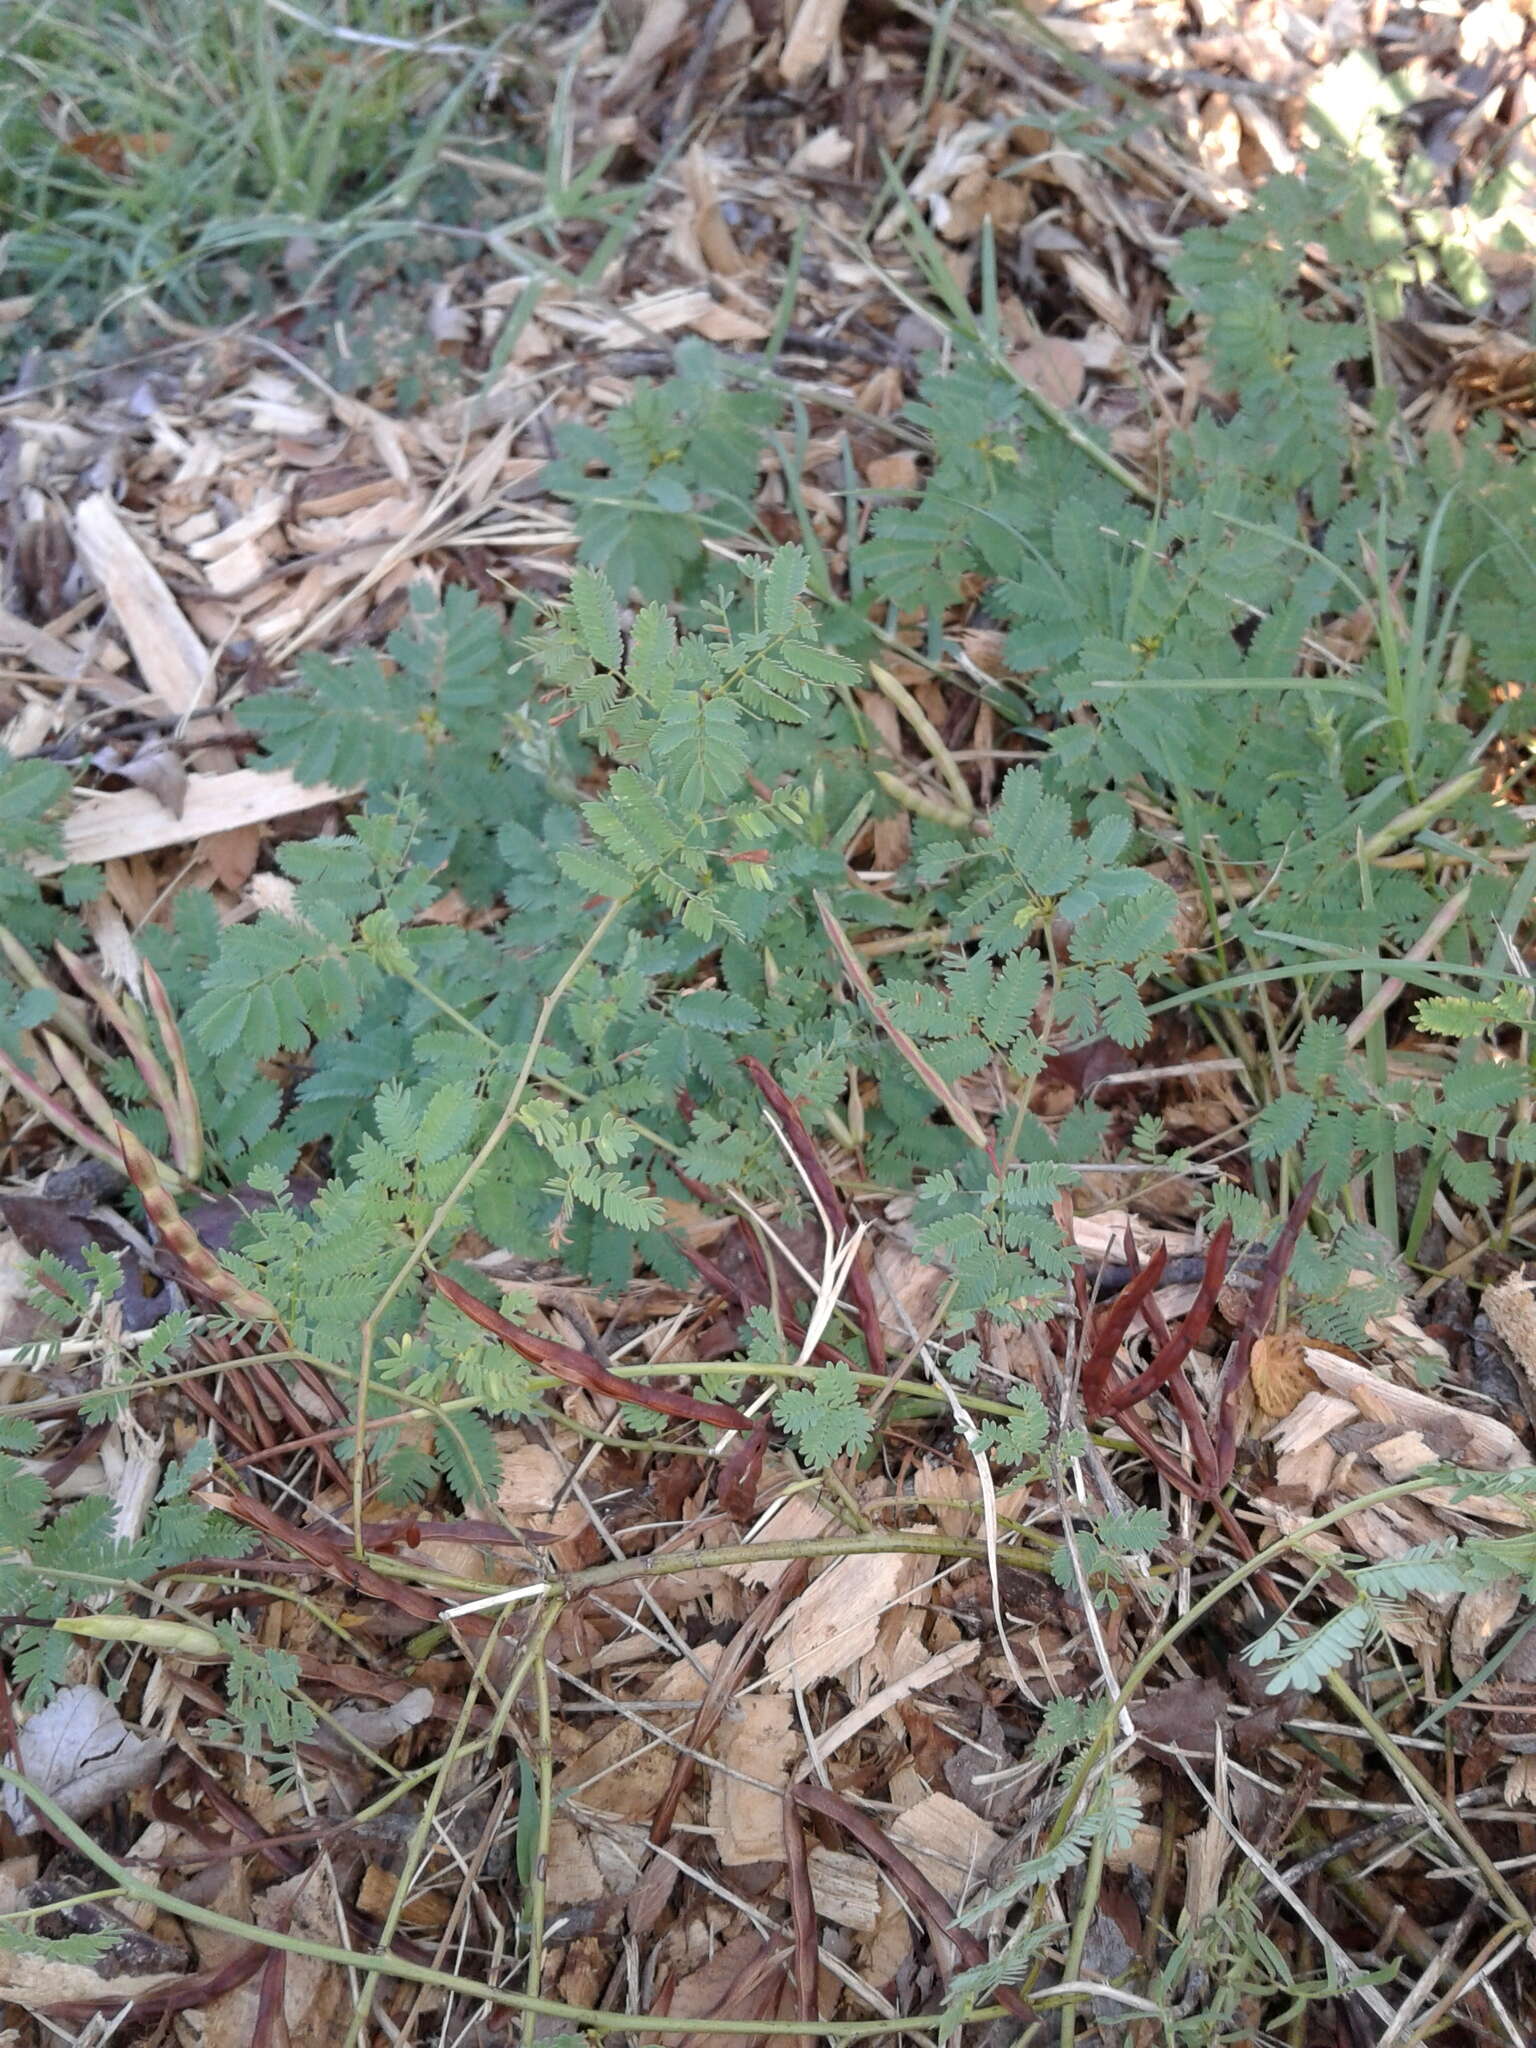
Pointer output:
336, 1563
1109, 1332
578, 1370
798, 1138
270, 2029
189, 1994
736, 1489
738, 1292
802, 1914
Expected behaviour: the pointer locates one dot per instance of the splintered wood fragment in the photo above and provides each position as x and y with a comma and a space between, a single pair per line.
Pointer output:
832, 1625
794, 1517
757, 1742
652, 40
172, 660
953, 1848
1512, 1312
112, 824
53, 657
846, 1889
809, 42
928, 1673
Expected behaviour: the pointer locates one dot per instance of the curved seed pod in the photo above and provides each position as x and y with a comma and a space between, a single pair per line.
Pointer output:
182, 1240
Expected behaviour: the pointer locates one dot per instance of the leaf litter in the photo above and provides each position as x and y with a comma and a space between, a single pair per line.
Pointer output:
837, 1783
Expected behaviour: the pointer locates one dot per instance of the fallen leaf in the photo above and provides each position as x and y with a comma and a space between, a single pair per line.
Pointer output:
1053, 366
379, 1726
1183, 1717
80, 1751
110, 150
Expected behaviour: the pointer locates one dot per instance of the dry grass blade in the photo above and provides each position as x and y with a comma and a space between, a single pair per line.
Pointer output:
938, 1088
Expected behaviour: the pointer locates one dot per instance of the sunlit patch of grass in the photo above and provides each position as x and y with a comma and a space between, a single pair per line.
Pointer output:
178, 149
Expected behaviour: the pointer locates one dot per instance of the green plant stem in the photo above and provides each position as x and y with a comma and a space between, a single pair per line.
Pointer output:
624, 1571
1093, 1878
416, 1849
1383, 1164
545, 1764
1418, 815
927, 732
451, 1200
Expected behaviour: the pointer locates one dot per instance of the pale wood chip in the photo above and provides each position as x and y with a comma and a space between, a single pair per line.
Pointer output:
251, 526
1479, 1618
571, 1875
1512, 1312
1305, 1475
846, 1889
1428, 1432
1054, 367
235, 571
811, 39
1481, 1443
827, 150
172, 660
953, 1847
793, 1519
929, 1672
836, 1620
649, 46
1311, 1420
529, 1498
1103, 1236
115, 823
53, 657
625, 1771
352, 499
758, 1739
731, 323
907, 1288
